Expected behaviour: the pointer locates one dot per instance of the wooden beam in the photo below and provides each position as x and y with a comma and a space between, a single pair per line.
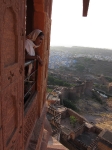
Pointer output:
85, 7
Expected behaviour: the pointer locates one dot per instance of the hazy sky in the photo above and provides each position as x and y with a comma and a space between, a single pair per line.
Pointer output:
69, 28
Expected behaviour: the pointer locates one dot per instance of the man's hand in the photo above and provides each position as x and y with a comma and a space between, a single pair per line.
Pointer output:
39, 60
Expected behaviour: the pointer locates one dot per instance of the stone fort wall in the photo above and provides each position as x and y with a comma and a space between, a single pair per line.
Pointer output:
77, 91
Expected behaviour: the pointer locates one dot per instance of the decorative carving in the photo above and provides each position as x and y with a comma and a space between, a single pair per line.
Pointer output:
13, 146
8, 2
20, 103
0, 83
20, 129
10, 113
38, 130
22, 34
11, 76
21, 70
29, 122
9, 40
17, 5
16, 144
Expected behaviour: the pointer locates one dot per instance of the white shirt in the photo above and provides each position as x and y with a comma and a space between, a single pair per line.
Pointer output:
29, 46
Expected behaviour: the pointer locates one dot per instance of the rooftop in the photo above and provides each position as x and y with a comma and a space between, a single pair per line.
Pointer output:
87, 138
66, 122
59, 108
107, 135
53, 97
66, 130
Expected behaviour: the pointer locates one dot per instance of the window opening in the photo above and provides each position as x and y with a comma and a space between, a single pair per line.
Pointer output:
30, 66
29, 16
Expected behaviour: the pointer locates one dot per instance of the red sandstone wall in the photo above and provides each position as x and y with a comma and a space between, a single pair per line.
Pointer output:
88, 88
0, 127
12, 36
96, 130
11, 74
30, 120
72, 93
64, 93
79, 131
42, 21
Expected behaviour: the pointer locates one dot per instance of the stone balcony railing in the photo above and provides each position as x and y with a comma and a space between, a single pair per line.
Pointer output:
30, 80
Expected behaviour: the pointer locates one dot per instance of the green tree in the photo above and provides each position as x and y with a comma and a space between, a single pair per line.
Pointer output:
49, 90
73, 120
56, 81
80, 67
67, 103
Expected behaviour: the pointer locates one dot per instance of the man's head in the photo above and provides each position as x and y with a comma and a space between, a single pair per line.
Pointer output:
39, 39
36, 36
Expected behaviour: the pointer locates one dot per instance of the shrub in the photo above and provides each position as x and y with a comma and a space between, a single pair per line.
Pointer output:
67, 103
54, 81
49, 90
73, 120
80, 67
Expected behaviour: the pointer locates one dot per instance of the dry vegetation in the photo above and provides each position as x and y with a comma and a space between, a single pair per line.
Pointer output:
100, 114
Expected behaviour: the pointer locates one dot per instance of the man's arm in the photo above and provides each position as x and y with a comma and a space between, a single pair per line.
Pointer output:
28, 57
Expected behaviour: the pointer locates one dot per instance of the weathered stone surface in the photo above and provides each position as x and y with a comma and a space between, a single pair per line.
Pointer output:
11, 75
12, 36
0, 127
29, 121
37, 133
56, 146
9, 43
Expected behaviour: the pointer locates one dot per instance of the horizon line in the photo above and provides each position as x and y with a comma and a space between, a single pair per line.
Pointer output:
80, 46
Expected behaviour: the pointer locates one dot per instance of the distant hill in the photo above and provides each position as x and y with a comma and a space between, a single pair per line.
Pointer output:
83, 50
94, 60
